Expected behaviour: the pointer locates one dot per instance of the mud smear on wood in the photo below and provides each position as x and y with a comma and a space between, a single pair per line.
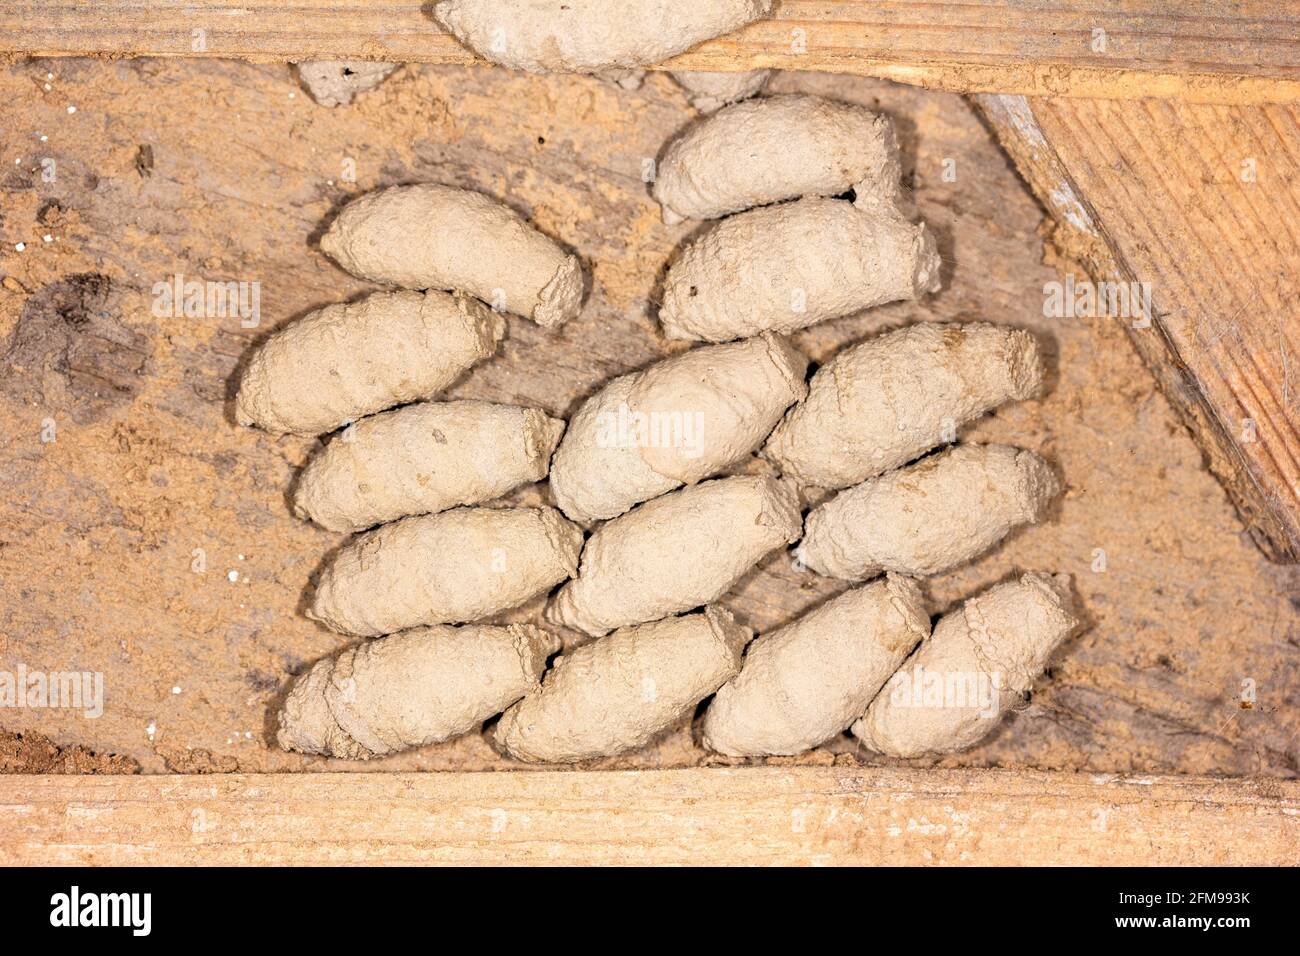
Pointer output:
69, 351
32, 752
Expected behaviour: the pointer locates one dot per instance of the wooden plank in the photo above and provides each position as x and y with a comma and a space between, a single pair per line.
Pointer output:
769, 815
1201, 203
1204, 51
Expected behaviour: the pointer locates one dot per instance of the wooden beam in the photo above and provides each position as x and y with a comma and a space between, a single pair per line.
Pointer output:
1201, 204
769, 815
1204, 51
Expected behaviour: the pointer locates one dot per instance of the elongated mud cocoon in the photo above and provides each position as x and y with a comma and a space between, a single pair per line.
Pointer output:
890, 399
675, 553
677, 422
423, 459
979, 662
439, 237
620, 692
711, 91
776, 148
348, 360
447, 568
411, 689
930, 517
810, 680
590, 36
787, 267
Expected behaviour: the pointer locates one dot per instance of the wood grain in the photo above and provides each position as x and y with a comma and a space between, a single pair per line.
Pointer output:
1202, 203
1205, 51
773, 816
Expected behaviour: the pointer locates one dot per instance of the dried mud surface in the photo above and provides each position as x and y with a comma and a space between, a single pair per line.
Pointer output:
151, 540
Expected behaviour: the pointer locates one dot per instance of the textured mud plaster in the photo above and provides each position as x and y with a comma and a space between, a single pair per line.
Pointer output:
447, 568
336, 82
423, 459
710, 92
411, 689
777, 148
783, 268
675, 553
590, 36
348, 360
930, 517
980, 662
890, 399
810, 680
675, 423
440, 237
620, 692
